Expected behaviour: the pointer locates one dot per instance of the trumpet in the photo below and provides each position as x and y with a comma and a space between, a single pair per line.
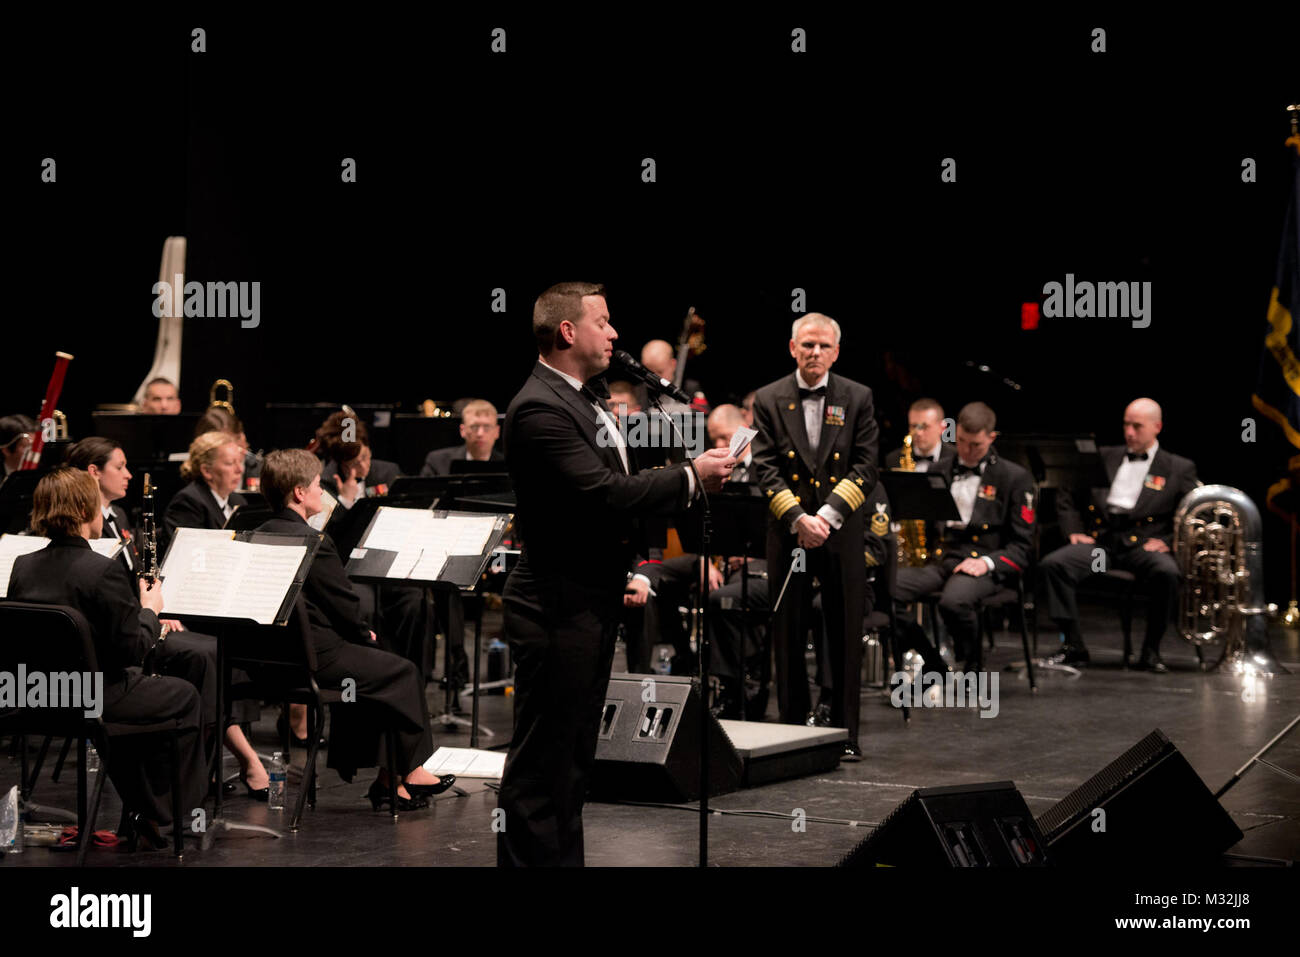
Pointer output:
228, 403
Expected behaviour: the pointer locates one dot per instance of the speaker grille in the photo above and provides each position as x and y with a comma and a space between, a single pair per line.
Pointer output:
1107, 781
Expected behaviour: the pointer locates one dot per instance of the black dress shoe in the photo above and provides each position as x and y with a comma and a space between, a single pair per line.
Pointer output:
819, 717
1151, 662
259, 794
1070, 655
425, 790
851, 753
140, 830
379, 797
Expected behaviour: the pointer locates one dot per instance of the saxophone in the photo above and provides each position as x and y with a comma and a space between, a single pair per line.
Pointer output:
911, 534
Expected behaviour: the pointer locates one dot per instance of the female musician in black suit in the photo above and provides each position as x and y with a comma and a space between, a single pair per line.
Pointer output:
106, 463
390, 692
215, 471
218, 419
124, 626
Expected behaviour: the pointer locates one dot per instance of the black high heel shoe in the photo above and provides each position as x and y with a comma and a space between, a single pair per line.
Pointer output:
426, 790
139, 830
379, 797
260, 794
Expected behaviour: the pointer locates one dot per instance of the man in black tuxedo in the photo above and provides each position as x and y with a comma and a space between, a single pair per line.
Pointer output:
580, 499
929, 451
1129, 525
480, 430
987, 548
815, 458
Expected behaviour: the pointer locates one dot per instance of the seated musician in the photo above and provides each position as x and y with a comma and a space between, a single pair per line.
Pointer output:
15, 439
929, 451
480, 430
218, 419
123, 618
161, 397
215, 471
661, 359
389, 688
105, 461
1132, 524
987, 547
350, 472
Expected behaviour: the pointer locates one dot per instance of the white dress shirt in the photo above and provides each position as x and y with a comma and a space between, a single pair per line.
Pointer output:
222, 503
964, 490
926, 462
110, 523
610, 425
1129, 478
814, 408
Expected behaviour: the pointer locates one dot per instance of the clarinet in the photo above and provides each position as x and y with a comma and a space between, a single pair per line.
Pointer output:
148, 568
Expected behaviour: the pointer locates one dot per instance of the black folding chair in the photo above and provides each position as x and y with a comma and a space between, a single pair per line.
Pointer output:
55, 638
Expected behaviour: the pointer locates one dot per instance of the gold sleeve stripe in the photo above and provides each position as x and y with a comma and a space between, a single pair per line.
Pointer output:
851, 494
782, 502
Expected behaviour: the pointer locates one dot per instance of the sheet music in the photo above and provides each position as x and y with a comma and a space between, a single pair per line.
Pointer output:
321, 518
423, 543
741, 438
108, 547
467, 763
207, 574
11, 546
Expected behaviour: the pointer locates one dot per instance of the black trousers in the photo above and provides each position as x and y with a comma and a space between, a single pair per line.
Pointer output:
843, 578
958, 606
140, 768
733, 642
663, 623
193, 656
389, 697
562, 662
1157, 572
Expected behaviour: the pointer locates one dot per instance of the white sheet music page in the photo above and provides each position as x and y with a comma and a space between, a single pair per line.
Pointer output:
467, 763
11, 546
108, 547
210, 573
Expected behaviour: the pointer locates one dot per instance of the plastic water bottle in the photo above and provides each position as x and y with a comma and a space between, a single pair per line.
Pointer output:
278, 774
92, 757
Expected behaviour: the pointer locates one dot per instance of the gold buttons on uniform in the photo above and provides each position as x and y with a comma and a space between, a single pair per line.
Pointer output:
1132, 538
986, 527
795, 477
832, 479
798, 499
770, 493
974, 554
1092, 508
816, 484
790, 406
974, 538
1150, 518
835, 456
790, 454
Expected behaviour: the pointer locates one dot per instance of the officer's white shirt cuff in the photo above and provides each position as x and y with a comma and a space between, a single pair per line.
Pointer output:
989, 562
833, 518
690, 485
647, 581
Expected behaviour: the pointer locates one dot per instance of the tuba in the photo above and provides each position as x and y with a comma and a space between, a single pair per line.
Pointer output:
911, 533
1217, 544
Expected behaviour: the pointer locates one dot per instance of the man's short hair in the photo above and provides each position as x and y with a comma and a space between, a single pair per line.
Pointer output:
478, 407
816, 318
161, 380
977, 417
925, 405
561, 302
64, 500
285, 470
728, 415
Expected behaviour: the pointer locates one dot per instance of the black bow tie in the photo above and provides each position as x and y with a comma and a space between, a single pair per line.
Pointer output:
958, 470
812, 393
596, 390
1136, 456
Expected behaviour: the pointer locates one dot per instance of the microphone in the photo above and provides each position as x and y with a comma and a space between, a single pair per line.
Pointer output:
658, 383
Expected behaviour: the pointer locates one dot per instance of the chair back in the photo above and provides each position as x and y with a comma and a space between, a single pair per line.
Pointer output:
55, 642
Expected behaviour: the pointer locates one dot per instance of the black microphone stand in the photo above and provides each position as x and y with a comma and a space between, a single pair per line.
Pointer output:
706, 522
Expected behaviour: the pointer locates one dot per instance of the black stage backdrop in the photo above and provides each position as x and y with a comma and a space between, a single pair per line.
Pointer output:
775, 171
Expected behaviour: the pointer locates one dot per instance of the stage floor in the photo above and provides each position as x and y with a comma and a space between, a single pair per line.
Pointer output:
1047, 744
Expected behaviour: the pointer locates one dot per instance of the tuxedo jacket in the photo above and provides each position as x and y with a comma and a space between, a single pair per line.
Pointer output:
67, 572
1169, 478
438, 462
192, 507
841, 474
333, 608
1001, 524
947, 452
382, 474
579, 513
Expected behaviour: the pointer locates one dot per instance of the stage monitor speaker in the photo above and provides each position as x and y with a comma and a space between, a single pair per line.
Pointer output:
649, 750
968, 825
1154, 809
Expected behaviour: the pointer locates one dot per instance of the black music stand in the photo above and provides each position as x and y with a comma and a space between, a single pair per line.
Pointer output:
222, 628
16, 500
146, 438
251, 514
739, 528
921, 496
460, 573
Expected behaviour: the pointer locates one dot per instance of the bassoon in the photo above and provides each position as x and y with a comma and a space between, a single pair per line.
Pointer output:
45, 424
